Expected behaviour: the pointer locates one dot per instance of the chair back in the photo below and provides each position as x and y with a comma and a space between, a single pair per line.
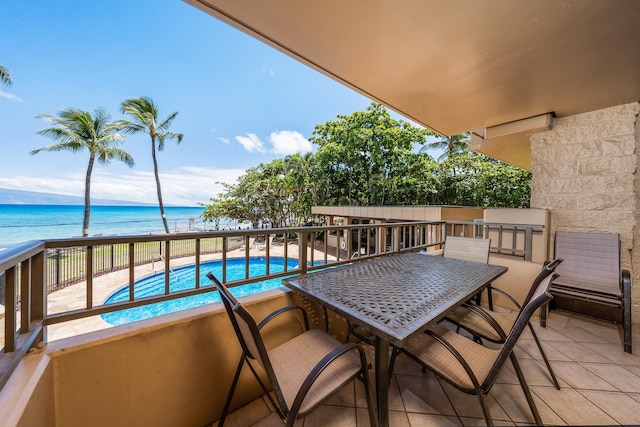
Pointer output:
539, 297
591, 261
546, 271
244, 326
467, 248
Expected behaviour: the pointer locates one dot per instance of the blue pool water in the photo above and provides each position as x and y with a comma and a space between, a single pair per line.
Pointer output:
184, 278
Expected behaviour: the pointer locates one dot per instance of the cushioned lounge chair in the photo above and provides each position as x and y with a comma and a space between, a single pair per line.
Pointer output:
303, 371
471, 367
494, 326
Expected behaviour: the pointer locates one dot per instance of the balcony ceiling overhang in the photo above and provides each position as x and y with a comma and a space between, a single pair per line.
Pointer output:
460, 65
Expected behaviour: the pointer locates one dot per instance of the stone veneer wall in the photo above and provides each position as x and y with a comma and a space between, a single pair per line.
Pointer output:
584, 172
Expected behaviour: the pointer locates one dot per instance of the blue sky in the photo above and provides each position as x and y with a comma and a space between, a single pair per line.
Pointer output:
240, 102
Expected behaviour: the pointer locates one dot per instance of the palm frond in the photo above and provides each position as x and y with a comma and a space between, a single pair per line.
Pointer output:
5, 76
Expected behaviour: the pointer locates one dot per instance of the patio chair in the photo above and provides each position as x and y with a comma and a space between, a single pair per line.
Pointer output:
303, 371
469, 249
495, 327
591, 272
471, 367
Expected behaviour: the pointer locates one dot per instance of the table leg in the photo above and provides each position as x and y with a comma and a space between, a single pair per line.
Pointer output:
382, 381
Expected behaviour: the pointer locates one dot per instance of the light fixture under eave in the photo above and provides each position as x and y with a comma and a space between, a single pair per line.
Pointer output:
509, 142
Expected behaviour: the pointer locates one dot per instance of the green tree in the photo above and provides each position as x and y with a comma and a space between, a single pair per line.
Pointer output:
146, 120
471, 179
280, 192
367, 158
415, 181
450, 145
77, 130
359, 154
5, 76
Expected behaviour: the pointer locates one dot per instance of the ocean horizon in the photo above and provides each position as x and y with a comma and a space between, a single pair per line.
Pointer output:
21, 223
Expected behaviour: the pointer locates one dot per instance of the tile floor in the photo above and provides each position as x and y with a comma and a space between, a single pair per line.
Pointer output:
600, 385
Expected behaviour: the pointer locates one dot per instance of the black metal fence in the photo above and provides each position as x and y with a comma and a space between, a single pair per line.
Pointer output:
67, 266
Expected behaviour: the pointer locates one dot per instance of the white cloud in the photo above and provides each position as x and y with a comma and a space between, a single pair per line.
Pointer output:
184, 186
288, 142
268, 71
251, 143
10, 96
224, 140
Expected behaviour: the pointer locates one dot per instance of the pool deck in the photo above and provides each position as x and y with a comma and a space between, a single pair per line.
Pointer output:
74, 297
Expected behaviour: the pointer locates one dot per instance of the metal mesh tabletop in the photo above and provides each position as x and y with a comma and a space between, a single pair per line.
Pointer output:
397, 295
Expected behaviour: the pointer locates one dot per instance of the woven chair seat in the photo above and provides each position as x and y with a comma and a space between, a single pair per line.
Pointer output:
293, 360
436, 356
474, 322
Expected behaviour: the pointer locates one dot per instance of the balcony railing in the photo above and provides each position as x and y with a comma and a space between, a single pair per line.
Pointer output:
31, 272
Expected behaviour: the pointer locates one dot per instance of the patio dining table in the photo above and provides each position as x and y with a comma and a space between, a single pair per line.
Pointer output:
395, 297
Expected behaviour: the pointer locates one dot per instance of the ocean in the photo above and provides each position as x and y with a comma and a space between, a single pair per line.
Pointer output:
21, 223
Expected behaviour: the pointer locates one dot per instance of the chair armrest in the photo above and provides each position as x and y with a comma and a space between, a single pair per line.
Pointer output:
451, 349
625, 283
506, 295
279, 311
487, 318
321, 366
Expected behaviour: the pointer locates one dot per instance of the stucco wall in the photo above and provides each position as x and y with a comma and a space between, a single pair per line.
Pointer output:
584, 172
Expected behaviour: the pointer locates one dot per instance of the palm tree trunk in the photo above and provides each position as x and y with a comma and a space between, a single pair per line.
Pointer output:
87, 197
159, 190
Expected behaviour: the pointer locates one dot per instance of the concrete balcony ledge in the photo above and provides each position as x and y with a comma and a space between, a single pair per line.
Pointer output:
174, 369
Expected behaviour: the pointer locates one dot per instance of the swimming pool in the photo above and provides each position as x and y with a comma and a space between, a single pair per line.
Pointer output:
184, 277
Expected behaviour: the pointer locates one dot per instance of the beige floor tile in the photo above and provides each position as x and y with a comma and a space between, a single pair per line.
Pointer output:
607, 331
395, 397
507, 376
573, 351
361, 397
426, 420
362, 418
556, 319
622, 408
633, 368
472, 422
512, 400
572, 407
586, 336
271, 421
577, 376
548, 415
615, 354
636, 396
424, 395
251, 413
331, 416
397, 419
406, 366
468, 405
535, 373
621, 378
552, 334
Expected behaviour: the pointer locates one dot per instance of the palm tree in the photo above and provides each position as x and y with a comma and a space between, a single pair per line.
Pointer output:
145, 115
451, 145
5, 76
77, 130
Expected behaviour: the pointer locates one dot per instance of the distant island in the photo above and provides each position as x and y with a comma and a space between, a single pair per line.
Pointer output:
19, 197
